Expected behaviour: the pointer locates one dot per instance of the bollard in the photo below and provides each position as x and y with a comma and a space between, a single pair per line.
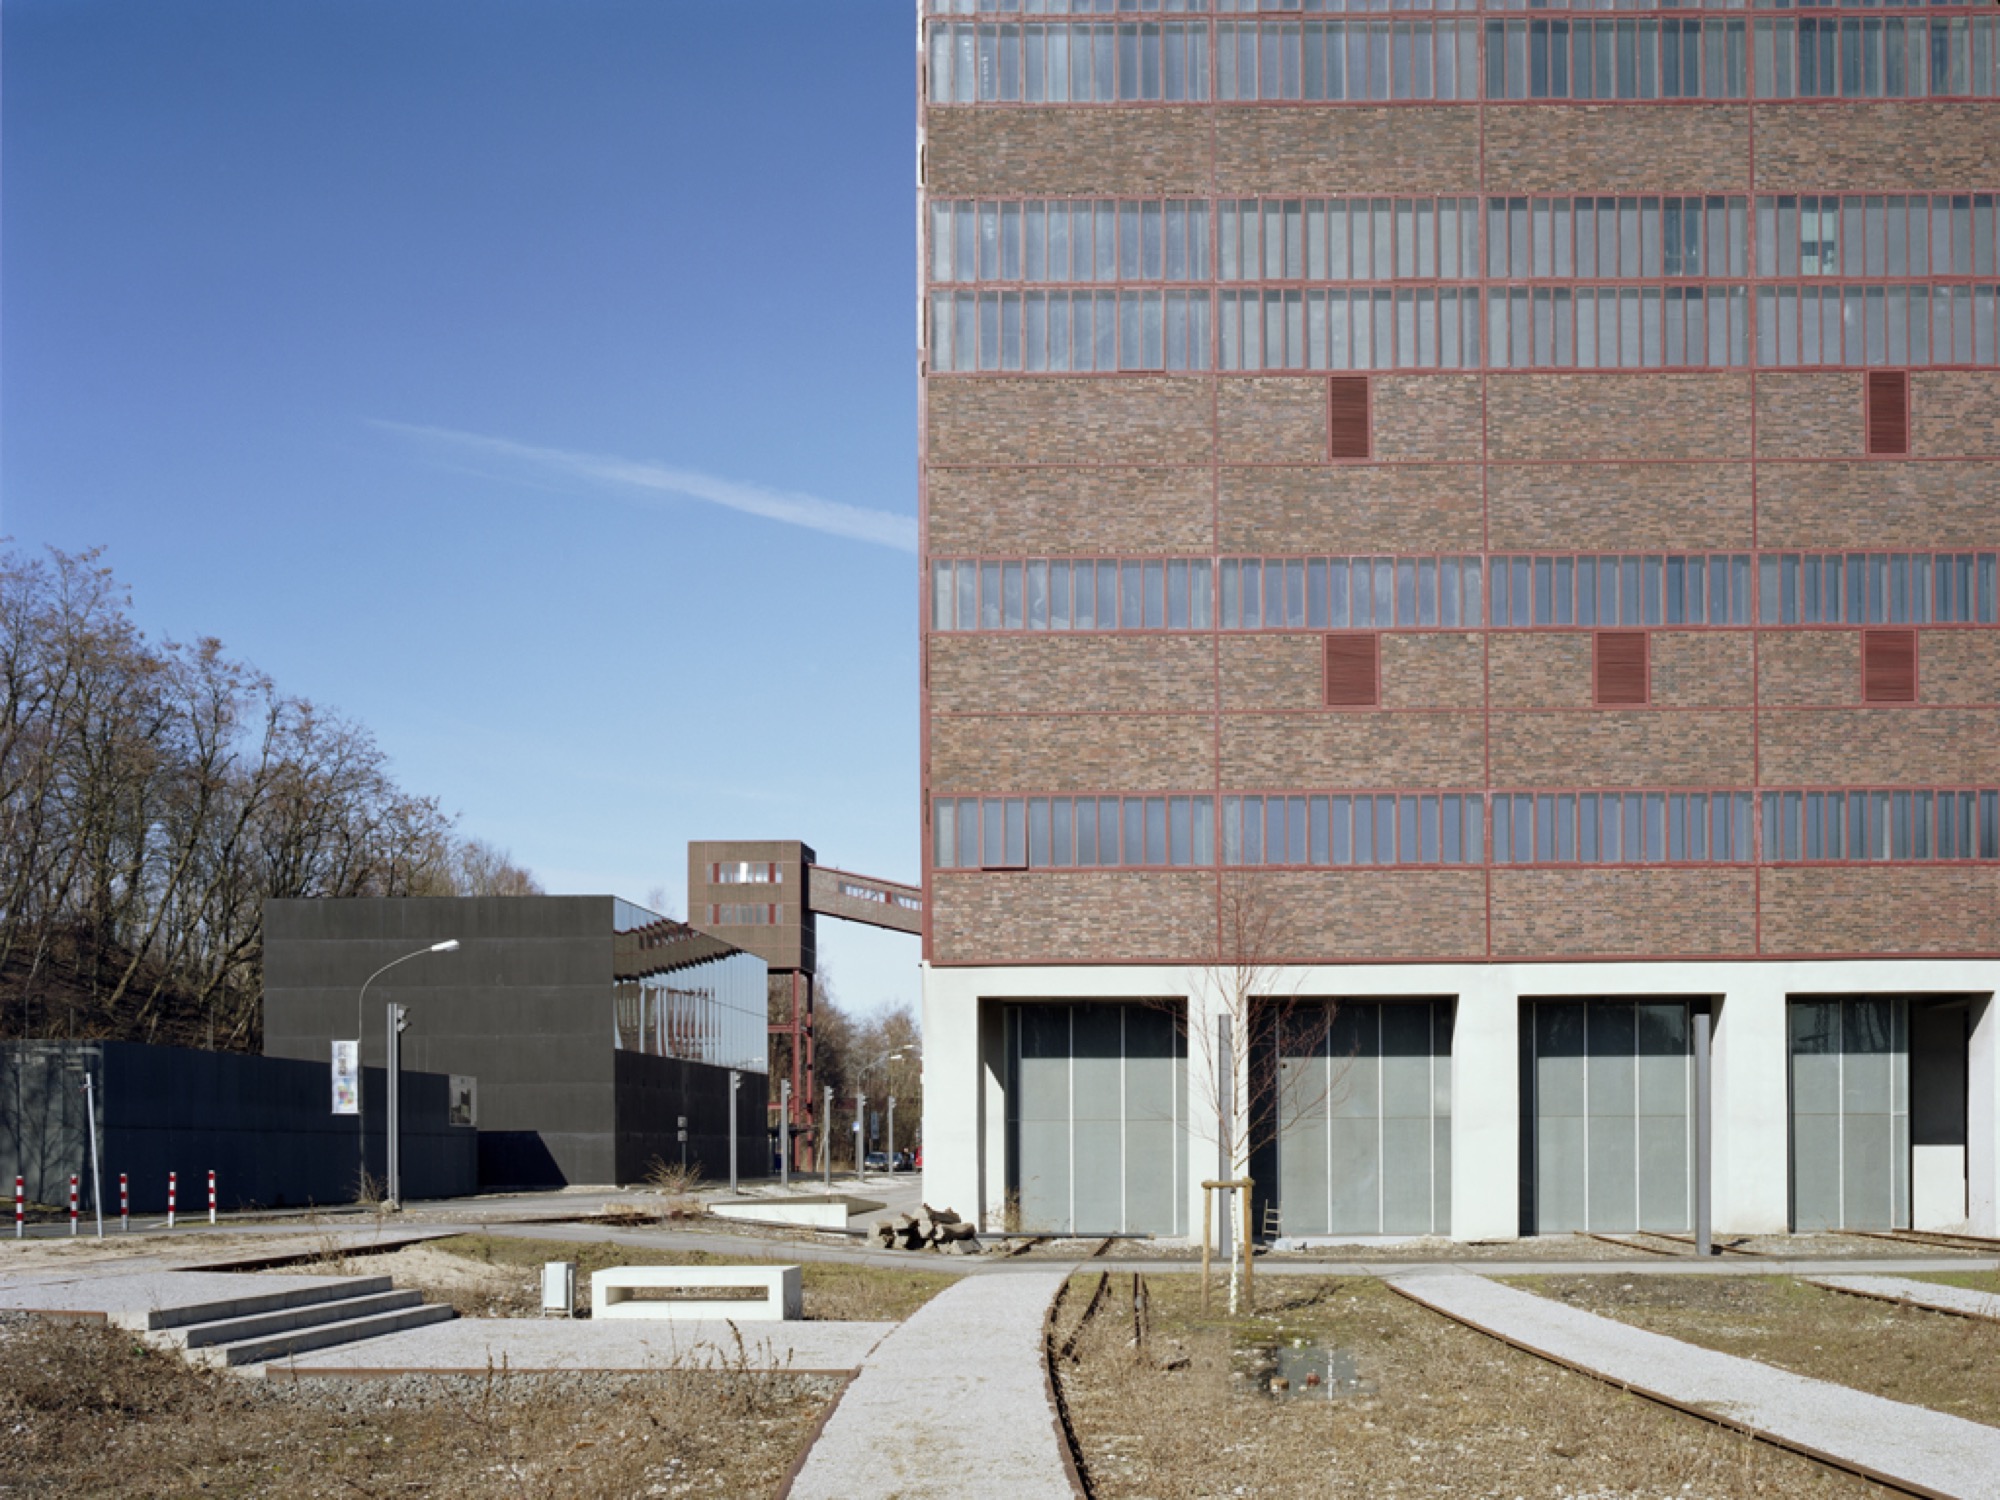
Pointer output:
124, 1204
72, 1205
173, 1181
20, 1207
211, 1195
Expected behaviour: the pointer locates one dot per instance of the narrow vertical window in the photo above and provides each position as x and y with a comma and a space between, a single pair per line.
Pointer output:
1888, 411
1347, 416
1352, 670
1621, 667
1888, 666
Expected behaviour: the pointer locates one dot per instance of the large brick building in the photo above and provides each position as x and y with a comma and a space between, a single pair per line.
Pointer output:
1481, 523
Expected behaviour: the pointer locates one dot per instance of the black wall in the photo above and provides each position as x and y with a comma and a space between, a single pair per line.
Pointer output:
264, 1125
653, 1092
525, 1006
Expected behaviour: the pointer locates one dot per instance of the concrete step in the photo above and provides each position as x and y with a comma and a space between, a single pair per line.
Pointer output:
257, 1350
247, 1304
285, 1319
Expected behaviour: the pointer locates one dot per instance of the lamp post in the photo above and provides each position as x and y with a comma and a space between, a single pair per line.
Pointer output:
893, 1055
449, 945
735, 1083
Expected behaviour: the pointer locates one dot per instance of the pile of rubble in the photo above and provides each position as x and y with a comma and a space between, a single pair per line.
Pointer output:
928, 1229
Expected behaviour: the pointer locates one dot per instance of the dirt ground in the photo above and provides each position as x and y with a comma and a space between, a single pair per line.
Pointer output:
1947, 1363
1423, 1407
86, 1410
86, 1249
491, 1276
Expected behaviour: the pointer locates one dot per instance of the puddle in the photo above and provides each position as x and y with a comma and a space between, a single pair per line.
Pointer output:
1307, 1371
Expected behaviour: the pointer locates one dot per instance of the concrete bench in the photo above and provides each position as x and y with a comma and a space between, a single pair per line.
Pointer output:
613, 1293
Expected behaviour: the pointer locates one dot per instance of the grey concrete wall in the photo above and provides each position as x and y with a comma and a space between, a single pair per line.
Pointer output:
264, 1125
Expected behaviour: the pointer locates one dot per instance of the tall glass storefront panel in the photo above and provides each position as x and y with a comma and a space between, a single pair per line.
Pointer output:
1607, 1115
1850, 1075
1097, 1117
1355, 1138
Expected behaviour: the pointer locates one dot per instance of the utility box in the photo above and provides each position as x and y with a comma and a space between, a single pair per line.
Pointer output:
559, 1288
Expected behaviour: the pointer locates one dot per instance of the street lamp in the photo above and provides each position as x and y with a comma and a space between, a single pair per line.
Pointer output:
893, 1055
449, 945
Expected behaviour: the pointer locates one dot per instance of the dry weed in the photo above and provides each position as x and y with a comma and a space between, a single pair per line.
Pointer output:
1441, 1411
86, 1410
678, 1187
1906, 1354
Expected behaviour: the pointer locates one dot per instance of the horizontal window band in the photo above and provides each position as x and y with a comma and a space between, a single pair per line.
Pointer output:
1444, 829
1370, 238
1580, 57
1465, 591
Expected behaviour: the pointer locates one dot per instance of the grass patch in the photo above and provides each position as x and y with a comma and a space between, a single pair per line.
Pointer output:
88, 1410
1924, 1358
1440, 1411
831, 1292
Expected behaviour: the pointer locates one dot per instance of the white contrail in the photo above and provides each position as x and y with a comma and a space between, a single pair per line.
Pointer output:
793, 508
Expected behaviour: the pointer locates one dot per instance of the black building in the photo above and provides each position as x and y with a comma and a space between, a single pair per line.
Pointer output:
589, 1025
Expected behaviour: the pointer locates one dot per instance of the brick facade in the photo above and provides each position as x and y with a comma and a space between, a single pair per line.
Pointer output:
1613, 507
1071, 512
1349, 508
1629, 913
1229, 464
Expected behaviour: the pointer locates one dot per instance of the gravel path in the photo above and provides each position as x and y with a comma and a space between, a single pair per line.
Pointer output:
1931, 1294
1908, 1446
955, 1400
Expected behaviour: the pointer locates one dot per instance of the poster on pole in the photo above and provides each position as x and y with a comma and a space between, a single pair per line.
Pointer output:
347, 1078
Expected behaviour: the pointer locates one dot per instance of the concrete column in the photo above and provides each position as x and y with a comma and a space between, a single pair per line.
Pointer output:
1203, 1142
1486, 1107
1751, 1122
991, 1098
1982, 1117
951, 1094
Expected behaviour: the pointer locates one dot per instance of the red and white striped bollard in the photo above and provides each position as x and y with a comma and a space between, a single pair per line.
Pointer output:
20, 1207
211, 1195
173, 1188
72, 1205
124, 1204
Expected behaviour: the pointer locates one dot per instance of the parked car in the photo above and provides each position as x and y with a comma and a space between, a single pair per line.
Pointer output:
878, 1161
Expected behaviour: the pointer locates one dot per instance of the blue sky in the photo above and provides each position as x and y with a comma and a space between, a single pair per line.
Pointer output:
533, 382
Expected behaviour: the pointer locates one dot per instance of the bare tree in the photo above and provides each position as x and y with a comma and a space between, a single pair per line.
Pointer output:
153, 796
1243, 1021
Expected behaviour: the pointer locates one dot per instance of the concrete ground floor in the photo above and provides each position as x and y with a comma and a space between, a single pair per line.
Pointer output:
1476, 1101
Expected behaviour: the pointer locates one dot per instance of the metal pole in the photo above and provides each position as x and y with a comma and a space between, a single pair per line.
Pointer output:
96, 1177
860, 1134
785, 1131
449, 945
826, 1141
390, 1080
735, 1082
892, 1133
1703, 1228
